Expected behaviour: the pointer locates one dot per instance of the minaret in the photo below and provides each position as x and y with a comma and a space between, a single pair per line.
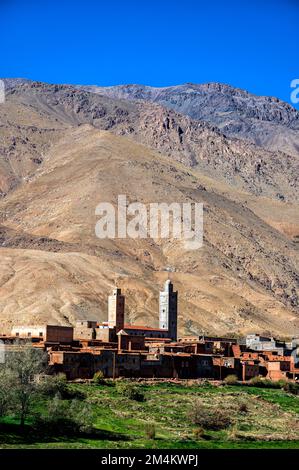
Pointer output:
116, 310
168, 310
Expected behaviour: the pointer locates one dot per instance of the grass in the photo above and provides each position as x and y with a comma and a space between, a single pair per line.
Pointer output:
271, 419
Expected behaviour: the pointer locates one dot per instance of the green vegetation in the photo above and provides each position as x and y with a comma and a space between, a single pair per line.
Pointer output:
107, 415
38, 410
129, 390
18, 383
150, 430
205, 417
231, 380
99, 378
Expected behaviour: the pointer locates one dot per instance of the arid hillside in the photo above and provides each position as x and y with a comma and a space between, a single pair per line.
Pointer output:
194, 143
263, 120
63, 151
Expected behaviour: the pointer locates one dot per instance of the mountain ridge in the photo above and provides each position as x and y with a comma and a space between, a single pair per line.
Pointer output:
192, 142
236, 112
64, 150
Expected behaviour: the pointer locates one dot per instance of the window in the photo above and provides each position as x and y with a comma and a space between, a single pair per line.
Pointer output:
40, 333
18, 334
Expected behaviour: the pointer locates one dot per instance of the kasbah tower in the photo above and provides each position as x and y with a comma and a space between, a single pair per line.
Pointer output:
168, 312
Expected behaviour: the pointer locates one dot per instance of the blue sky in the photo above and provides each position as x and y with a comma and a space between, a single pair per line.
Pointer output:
250, 44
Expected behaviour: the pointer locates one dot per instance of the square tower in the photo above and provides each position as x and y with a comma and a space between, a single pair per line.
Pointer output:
116, 310
168, 310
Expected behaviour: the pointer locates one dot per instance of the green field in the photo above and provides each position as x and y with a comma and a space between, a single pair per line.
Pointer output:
270, 419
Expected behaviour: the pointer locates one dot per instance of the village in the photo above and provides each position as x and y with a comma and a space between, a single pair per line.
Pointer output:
116, 349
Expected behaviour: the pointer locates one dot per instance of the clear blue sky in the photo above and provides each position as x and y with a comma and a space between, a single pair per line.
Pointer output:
251, 44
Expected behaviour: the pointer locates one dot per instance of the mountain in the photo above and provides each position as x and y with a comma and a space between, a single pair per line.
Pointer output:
64, 150
263, 120
195, 143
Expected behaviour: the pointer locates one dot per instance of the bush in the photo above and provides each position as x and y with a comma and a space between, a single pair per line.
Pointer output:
233, 434
130, 391
231, 380
255, 381
209, 419
199, 433
291, 387
243, 408
263, 383
51, 385
99, 378
65, 418
150, 431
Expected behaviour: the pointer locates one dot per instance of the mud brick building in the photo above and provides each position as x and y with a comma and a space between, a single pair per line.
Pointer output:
119, 349
47, 333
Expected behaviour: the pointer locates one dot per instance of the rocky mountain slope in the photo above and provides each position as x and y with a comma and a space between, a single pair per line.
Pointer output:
75, 149
263, 120
194, 143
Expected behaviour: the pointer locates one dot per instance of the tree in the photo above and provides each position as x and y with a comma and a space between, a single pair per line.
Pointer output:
23, 366
6, 386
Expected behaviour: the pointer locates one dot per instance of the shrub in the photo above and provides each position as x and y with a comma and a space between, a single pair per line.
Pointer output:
56, 385
130, 391
243, 408
99, 378
231, 380
233, 434
291, 387
150, 431
72, 393
199, 433
263, 383
65, 418
52, 385
255, 381
209, 419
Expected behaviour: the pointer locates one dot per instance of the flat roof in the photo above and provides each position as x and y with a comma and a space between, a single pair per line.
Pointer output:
140, 327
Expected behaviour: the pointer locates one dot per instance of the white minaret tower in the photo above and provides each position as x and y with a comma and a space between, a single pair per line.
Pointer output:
168, 310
